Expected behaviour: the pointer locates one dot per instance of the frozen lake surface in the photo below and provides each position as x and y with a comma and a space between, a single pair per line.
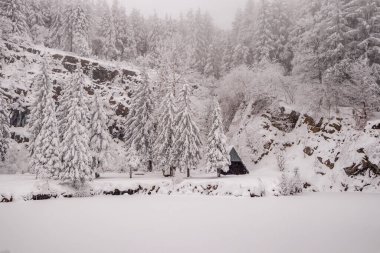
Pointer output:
322, 222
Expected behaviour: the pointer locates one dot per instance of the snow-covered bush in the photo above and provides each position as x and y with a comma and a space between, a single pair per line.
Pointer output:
290, 183
281, 161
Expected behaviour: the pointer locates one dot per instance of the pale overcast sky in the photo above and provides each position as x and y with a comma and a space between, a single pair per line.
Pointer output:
222, 11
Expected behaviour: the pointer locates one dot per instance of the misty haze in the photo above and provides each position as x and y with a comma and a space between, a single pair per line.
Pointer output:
189, 126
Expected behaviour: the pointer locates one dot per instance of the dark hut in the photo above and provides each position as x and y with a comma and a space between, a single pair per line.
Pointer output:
237, 166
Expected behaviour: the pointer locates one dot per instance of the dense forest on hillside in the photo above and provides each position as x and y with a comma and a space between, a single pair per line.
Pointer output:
316, 57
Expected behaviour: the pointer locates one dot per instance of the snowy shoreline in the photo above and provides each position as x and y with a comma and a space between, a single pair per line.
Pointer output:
25, 187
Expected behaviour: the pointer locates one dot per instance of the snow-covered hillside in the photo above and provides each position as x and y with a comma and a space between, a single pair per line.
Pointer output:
329, 153
19, 66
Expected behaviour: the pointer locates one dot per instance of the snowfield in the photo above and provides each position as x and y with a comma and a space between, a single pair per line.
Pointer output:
320, 222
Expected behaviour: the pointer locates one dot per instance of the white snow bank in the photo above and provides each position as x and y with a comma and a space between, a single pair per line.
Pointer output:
313, 223
26, 187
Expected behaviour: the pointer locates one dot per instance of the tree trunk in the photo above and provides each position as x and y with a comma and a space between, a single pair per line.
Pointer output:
150, 166
218, 171
188, 173
130, 172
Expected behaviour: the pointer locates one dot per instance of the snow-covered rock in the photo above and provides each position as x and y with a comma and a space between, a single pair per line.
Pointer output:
331, 154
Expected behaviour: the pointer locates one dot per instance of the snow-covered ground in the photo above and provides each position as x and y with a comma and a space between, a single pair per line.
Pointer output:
320, 222
20, 187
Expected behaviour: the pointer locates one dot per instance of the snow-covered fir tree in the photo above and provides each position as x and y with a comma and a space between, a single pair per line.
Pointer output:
108, 34
133, 161
213, 63
264, 46
55, 37
281, 26
16, 12
307, 37
187, 144
75, 150
218, 158
36, 21
75, 30
4, 128
166, 132
45, 156
35, 118
139, 126
100, 139
363, 19
203, 38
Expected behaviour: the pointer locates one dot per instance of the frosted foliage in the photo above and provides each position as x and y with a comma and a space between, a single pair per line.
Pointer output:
139, 126
217, 154
75, 142
187, 137
108, 34
133, 159
100, 138
290, 183
45, 156
264, 45
166, 131
37, 107
4, 128
15, 12
75, 30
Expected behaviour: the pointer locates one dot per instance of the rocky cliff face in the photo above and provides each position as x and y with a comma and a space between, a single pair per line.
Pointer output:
20, 64
330, 153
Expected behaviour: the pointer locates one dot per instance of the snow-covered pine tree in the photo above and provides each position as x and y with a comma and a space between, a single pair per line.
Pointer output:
55, 36
264, 46
108, 34
227, 60
187, 143
212, 68
203, 37
245, 35
75, 30
35, 118
100, 139
75, 150
121, 26
281, 30
133, 160
15, 11
166, 133
139, 126
45, 159
36, 21
363, 18
308, 36
240, 55
139, 32
4, 128
218, 158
